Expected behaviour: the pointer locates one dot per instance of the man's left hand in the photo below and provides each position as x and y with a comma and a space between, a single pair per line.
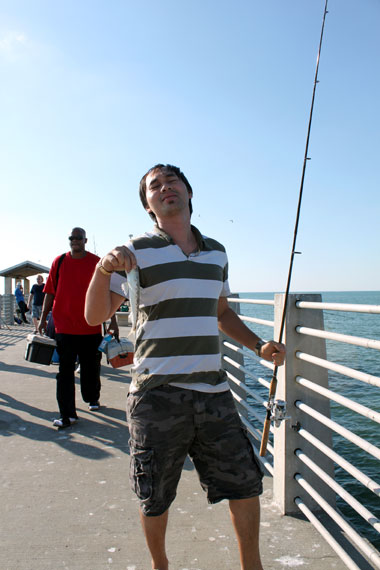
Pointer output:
273, 352
113, 327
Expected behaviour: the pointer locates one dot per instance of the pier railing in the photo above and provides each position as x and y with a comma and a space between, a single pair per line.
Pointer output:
307, 453
9, 308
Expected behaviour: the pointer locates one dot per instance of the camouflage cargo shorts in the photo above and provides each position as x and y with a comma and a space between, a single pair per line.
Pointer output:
168, 423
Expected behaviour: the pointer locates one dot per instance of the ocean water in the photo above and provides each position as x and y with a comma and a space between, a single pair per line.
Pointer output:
363, 359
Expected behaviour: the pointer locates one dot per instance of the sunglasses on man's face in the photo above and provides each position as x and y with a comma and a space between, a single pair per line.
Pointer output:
77, 238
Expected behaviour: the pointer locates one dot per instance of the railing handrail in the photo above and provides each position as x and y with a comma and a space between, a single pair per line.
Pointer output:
369, 517
246, 371
250, 355
250, 301
347, 402
247, 390
346, 307
345, 370
257, 321
356, 439
363, 544
326, 535
349, 339
369, 483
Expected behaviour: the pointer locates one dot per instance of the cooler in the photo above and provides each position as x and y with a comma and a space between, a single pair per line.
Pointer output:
39, 348
120, 352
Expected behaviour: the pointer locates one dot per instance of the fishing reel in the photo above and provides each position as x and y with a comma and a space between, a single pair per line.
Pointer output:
277, 411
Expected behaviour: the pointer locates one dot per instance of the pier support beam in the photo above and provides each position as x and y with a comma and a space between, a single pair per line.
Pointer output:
286, 438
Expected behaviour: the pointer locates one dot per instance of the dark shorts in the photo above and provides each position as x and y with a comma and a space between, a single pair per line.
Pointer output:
168, 423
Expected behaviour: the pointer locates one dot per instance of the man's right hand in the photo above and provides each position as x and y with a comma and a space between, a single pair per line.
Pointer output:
42, 326
119, 259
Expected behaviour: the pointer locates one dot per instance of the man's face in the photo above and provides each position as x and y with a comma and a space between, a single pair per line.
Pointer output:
77, 241
40, 279
166, 194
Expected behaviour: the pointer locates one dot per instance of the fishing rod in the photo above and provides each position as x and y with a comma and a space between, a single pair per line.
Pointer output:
271, 412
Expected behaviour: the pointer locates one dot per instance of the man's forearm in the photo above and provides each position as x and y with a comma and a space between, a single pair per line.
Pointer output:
231, 325
47, 305
100, 303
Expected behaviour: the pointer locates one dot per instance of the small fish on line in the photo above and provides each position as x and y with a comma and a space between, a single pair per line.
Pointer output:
131, 289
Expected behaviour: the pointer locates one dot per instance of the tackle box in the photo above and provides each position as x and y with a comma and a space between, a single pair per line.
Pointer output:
39, 348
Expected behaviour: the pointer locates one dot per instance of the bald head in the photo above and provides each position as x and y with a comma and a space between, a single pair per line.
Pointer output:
76, 231
78, 241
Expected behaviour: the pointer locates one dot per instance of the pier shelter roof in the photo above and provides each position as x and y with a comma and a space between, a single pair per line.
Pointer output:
23, 270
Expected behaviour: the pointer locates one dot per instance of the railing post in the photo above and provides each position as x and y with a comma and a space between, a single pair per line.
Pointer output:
8, 301
286, 438
239, 358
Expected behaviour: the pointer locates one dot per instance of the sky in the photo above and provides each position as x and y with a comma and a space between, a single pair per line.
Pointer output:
93, 93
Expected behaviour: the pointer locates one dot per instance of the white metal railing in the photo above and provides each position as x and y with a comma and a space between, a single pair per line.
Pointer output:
251, 301
337, 428
345, 370
339, 460
346, 307
307, 438
326, 535
7, 308
354, 503
356, 340
249, 355
354, 406
337, 517
257, 321
246, 371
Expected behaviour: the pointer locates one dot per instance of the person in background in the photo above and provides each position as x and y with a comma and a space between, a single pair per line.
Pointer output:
65, 293
179, 401
35, 301
19, 294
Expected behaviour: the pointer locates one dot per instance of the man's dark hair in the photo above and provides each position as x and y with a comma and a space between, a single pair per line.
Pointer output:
169, 168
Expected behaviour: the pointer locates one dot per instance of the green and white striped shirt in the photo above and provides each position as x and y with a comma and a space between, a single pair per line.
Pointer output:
177, 335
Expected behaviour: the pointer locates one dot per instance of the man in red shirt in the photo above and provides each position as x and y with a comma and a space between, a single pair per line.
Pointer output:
65, 293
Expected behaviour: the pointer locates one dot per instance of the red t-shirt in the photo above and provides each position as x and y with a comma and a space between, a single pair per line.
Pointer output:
73, 281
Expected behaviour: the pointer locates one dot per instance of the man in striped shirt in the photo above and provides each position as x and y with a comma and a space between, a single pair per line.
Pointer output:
179, 401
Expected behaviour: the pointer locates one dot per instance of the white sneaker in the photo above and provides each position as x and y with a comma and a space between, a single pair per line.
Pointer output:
64, 423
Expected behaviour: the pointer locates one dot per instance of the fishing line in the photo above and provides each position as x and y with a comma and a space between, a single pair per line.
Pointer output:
273, 384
